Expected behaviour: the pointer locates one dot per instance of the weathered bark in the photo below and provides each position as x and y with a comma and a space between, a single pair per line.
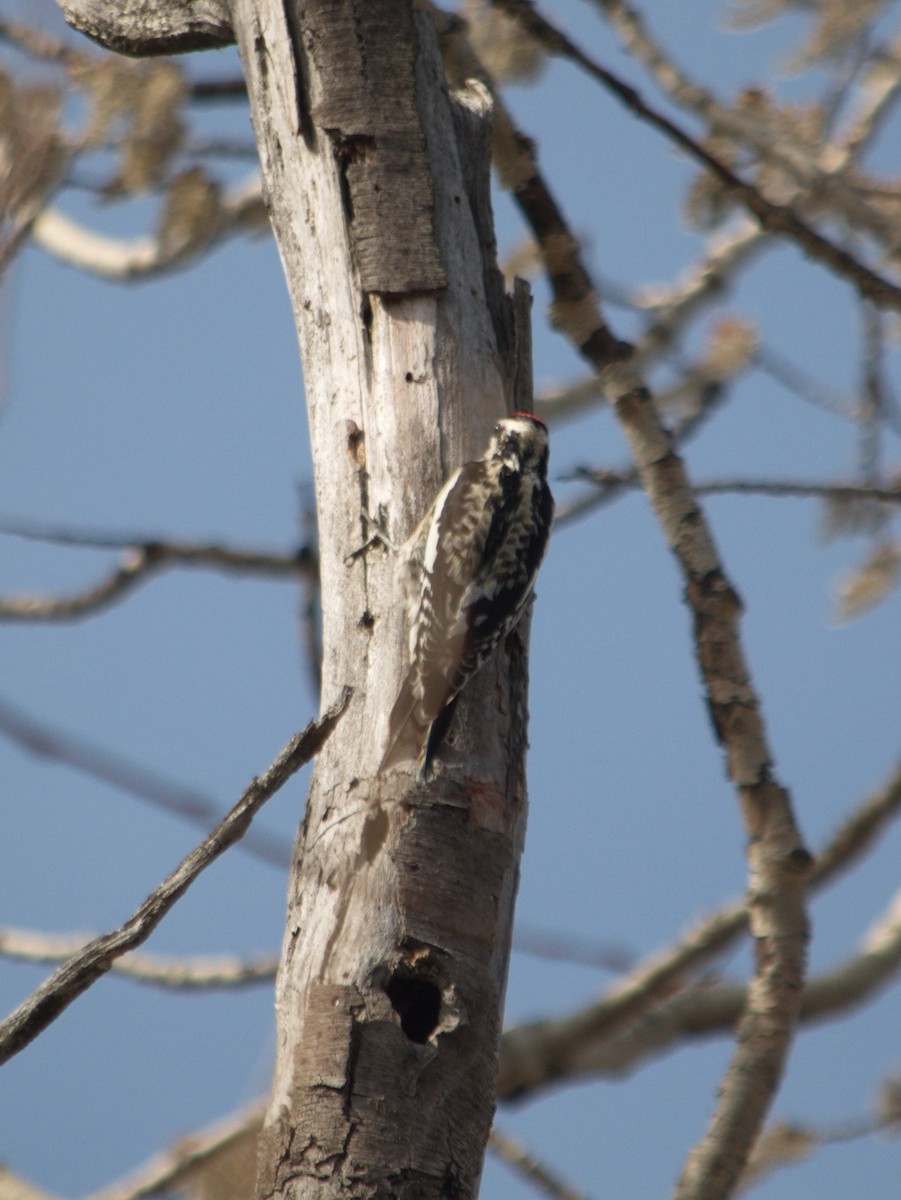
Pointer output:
400, 904
146, 27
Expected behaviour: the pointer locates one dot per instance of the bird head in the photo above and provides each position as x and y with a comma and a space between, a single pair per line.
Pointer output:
520, 441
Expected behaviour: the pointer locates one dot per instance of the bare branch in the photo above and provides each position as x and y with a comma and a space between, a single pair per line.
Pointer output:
875, 97
239, 210
103, 539
45, 1004
535, 1055
525, 1164
137, 567
142, 560
182, 974
859, 832
795, 380
40, 44
226, 1149
564, 947
775, 145
788, 487
775, 218
787, 1142
700, 284
698, 387
14, 1187
610, 1034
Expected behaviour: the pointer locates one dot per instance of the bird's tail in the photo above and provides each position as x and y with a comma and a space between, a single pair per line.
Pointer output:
407, 731
411, 736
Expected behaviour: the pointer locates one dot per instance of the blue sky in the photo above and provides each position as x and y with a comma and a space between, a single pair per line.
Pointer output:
177, 407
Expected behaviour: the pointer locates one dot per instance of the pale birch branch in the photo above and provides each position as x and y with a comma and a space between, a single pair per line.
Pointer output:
240, 210
182, 974
14, 1187
778, 861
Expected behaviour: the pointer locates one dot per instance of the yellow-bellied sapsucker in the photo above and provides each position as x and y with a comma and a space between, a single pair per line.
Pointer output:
468, 572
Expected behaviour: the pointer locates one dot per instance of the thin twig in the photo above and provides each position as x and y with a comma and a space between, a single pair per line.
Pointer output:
788, 487
46, 1003
855, 836
616, 481
565, 947
39, 44
780, 368
136, 568
786, 1142
535, 1172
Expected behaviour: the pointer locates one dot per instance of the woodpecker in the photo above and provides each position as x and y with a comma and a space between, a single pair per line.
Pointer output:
468, 571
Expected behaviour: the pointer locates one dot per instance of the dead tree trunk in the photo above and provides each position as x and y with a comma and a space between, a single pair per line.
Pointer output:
401, 898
